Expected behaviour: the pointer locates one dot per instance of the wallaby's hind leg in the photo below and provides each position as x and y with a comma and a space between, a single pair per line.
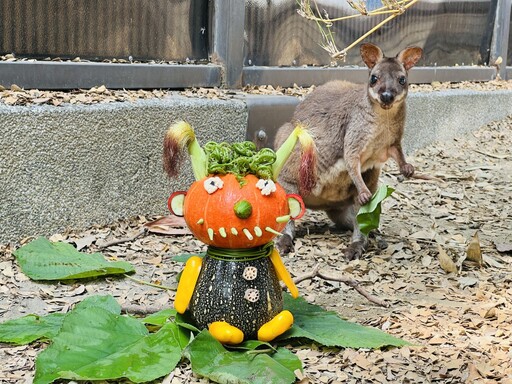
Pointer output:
345, 218
284, 243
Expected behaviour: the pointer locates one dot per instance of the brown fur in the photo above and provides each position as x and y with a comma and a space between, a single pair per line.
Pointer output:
356, 129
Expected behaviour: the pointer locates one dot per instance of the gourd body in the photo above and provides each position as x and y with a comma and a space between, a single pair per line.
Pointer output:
246, 294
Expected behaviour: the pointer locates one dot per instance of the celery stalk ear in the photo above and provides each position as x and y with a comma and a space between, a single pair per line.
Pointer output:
307, 167
179, 136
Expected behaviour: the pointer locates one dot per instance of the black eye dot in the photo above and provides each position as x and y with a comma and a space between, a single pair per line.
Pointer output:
402, 80
373, 79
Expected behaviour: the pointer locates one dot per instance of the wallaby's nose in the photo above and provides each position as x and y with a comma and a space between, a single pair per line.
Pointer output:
386, 97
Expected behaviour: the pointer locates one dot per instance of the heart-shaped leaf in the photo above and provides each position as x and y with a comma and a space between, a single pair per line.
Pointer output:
95, 344
368, 216
327, 328
44, 260
210, 359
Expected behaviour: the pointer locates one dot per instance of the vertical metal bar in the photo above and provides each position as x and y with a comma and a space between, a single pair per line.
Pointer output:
499, 44
228, 39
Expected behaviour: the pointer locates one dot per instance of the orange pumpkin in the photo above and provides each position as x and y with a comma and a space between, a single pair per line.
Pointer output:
227, 212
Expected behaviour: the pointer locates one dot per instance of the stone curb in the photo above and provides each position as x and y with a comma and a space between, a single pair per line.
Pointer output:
75, 166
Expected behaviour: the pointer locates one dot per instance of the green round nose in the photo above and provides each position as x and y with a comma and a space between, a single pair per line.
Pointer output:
243, 209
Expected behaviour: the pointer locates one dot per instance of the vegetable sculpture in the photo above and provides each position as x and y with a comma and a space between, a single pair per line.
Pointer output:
236, 207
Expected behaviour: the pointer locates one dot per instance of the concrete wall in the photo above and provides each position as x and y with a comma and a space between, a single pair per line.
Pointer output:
443, 115
82, 165
74, 166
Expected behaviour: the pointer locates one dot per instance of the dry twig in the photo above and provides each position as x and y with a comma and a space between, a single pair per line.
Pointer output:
315, 272
143, 231
392, 7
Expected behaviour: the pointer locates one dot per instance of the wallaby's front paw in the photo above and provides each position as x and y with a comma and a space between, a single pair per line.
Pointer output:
364, 197
407, 170
284, 244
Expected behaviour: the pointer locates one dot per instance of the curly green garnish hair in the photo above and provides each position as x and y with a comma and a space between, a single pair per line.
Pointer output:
239, 159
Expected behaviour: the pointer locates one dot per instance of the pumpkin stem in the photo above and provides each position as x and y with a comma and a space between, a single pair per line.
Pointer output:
307, 168
179, 136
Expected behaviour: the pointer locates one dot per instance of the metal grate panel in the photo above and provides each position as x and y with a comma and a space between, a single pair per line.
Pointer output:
451, 32
169, 30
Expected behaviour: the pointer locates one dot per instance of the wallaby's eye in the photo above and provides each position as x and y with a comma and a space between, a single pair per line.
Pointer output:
373, 79
402, 80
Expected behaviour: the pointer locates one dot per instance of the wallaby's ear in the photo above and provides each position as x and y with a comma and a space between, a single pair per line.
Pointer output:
371, 54
410, 56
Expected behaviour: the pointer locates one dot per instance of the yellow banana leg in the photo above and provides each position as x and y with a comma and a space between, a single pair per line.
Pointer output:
226, 333
187, 283
275, 327
283, 274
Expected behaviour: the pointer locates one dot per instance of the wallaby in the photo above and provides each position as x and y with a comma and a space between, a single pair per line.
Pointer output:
356, 128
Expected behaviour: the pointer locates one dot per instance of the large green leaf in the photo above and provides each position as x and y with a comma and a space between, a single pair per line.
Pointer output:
96, 344
106, 302
160, 318
210, 359
44, 260
33, 327
325, 327
30, 328
368, 216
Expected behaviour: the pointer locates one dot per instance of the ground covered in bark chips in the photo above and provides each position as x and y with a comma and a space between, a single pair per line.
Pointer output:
459, 322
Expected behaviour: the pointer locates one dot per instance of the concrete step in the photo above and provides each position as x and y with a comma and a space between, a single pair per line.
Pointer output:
78, 165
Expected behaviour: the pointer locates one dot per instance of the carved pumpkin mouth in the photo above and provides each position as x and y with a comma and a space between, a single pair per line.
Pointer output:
249, 234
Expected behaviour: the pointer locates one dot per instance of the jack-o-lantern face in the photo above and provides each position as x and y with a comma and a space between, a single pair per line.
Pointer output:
226, 212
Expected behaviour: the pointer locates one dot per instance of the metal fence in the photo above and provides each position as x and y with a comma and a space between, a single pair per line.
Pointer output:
67, 44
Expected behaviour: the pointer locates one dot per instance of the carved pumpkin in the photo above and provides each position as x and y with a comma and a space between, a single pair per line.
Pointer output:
230, 212
234, 291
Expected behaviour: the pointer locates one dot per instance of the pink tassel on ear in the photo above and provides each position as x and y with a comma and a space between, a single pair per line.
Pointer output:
307, 168
172, 154
181, 137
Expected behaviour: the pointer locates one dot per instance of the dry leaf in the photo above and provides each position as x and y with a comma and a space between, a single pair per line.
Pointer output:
467, 282
474, 375
503, 247
474, 252
492, 262
446, 261
84, 242
168, 225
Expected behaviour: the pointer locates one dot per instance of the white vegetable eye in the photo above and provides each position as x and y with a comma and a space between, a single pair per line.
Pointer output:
211, 184
267, 186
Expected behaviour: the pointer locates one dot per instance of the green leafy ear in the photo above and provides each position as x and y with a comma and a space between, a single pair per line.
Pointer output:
179, 136
307, 167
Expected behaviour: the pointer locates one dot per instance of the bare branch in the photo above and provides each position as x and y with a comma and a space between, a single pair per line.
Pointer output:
143, 231
315, 272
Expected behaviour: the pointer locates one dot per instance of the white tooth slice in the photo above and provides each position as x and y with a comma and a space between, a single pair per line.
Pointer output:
272, 230
283, 219
222, 232
257, 231
200, 221
248, 234
234, 231
210, 234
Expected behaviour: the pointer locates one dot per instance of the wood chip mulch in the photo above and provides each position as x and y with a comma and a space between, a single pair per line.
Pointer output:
460, 323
